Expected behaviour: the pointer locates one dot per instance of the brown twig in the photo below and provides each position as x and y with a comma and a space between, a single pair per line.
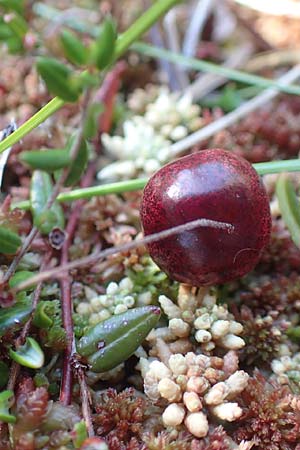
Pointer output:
106, 94
59, 271
15, 367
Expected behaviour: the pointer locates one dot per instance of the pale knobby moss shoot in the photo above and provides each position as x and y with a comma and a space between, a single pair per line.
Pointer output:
287, 369
195, 386
212, 325
164, 118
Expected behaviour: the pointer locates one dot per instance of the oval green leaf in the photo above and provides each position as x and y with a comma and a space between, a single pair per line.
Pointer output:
5, 401
12, 318
114, 340
9, 241
48, 160
57, 77
73, 48
29, 355
102, 50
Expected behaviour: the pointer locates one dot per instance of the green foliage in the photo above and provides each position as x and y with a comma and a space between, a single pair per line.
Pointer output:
114, 340
73, 48
12, 318
9, 241
289, 207
78, 166
102, 50
47, 160
45, 219
5, 400
58, 78
47, 317
29, 355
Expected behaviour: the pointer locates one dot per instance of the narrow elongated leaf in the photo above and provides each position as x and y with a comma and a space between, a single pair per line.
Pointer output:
73, 48
102, 50
19, 277
114, 340
12, 318
29, 355
78, 166
48, 160
45, 219
58, 78
9, 241
5, 399
289, 207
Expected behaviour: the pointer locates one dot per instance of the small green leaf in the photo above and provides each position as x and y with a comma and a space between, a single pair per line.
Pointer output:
19, 277
29, 355
9, 241
73, 48
91, 122
102, 50
78, 166
4, 374
12, 318
5, 402
80, 434
289, 206
58, 77
114, 340
41, 317
48, 160
40, 191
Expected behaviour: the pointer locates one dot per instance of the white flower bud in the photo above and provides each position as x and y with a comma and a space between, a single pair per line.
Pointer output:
169, 389
197, 424
112, 288
232, 342
159, 370
96, 304
237, 382
227, 411
216, 394
84, 309
178, 133
179, 327
203, 322
220, 328
202, 336
170, 309
173, 415
192, 401
177, 364
235, 327
119, 309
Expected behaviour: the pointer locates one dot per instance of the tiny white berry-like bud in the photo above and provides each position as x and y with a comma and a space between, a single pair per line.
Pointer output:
119, 309
197, 384
192, 401
235, 327
84, 309
220, 328
237, 382
216, 394
177, 364
232, 342
197, 424
112, 288
179, 327
227, 411
173, 415
203, 322
159, 370
169, 389
202, 336
125, 284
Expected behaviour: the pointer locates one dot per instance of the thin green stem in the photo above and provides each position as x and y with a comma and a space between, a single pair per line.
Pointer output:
143, 24
34, 121
86, 193
140, 26
205, 66
291, 165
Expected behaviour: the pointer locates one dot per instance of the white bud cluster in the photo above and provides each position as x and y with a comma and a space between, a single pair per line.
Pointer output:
194, 386
286, 367
119, 297
213, 324
145, 144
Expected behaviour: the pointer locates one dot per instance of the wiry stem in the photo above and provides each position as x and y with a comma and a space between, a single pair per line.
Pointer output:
58, 272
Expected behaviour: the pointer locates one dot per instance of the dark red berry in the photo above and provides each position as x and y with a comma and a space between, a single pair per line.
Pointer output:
215, 185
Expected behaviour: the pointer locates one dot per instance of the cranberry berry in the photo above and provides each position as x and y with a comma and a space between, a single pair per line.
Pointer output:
215, 185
